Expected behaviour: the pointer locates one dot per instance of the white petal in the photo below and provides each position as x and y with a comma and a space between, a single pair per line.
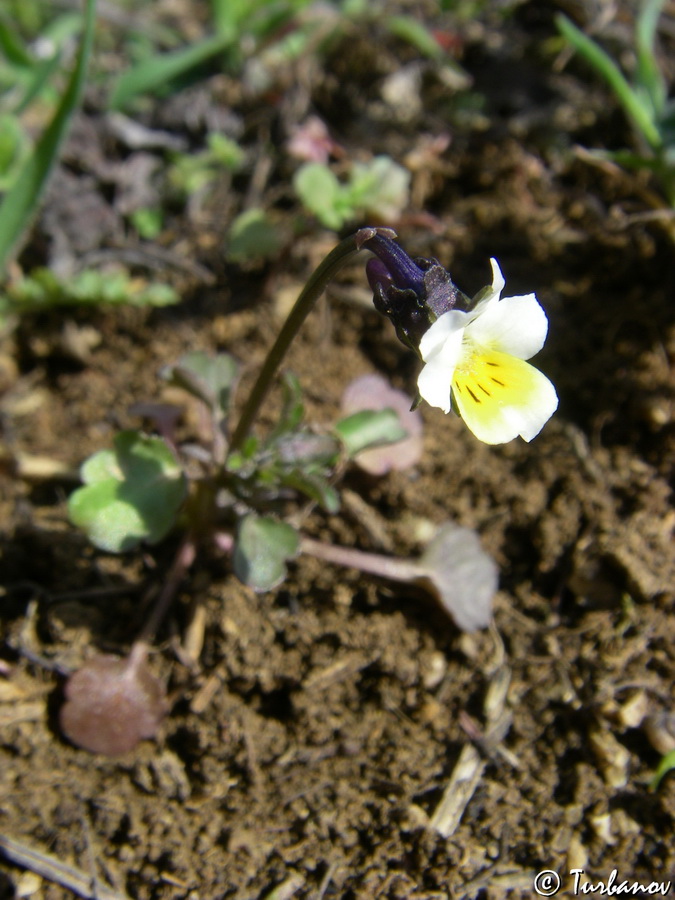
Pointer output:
488, 295
497, 277
434, 384
441, 349
514, 325
531, 419
445, 337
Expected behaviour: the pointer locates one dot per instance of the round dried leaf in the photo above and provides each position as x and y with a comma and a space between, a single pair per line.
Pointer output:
112, 703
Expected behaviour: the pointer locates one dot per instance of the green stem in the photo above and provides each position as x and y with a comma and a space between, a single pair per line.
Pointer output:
316, 285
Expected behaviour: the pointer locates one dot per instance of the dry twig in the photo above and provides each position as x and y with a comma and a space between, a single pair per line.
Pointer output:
51, 868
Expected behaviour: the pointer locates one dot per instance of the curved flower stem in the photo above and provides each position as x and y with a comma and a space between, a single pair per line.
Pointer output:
316, 285
184, 558
389, 567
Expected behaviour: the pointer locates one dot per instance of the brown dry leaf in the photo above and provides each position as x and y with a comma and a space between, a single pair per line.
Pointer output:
112, 703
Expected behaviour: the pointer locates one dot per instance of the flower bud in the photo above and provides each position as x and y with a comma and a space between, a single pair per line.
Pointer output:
412, 293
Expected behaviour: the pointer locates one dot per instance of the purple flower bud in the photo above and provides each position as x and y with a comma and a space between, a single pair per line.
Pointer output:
378, 274
404, 273
413, 293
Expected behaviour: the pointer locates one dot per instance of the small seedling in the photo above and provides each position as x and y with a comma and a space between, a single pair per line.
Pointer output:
238, 491
42, 290
253, 235
24, 172
378, 188
192, 173
645, 102
19, 204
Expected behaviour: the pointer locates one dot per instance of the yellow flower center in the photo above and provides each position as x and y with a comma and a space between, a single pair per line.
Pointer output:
488, 379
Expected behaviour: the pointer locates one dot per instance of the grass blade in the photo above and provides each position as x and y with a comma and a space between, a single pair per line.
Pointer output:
40, 77
648, 74
607, 68
158, 70
11, 46
21, 201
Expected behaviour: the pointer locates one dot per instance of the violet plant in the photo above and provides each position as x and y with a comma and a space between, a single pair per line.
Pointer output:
235, 492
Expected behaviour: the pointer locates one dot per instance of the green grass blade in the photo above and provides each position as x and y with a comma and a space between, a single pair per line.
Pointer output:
40, 76
12, 48
158, 70
415, 33
225, 15
648, 74
21, 201
607, 68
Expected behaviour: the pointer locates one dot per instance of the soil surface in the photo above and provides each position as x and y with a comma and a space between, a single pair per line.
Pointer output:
339, 737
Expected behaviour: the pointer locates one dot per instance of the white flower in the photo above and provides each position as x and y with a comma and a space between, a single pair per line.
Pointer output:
475, 361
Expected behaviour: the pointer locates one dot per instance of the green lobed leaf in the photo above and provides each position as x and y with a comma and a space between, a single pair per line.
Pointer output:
131, 493
226, 152
20, 202
242, 461
380, 187
322, 194
262, 547
369, 428
43, 289
209, 378
148, 222
253, 235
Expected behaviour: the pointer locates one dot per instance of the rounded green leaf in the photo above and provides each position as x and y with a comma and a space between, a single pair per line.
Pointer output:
132, 493
262, 547
253, 235
321, 193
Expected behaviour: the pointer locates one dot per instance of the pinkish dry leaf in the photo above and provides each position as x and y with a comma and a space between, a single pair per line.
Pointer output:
164, 416
311, 141
112, 703
462, 576
375, 393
